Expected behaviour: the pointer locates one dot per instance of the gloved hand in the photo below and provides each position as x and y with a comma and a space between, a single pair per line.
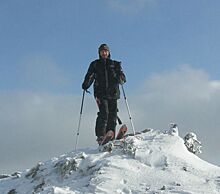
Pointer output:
122, 79
84, 86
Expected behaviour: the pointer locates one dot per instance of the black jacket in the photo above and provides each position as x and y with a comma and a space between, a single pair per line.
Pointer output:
107, 75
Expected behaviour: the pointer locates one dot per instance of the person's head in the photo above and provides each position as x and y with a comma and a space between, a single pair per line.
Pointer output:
104, 51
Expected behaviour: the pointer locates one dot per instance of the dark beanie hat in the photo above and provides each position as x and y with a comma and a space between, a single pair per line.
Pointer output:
104, 47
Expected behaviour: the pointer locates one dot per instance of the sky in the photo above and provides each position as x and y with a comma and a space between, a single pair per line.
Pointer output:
169, 51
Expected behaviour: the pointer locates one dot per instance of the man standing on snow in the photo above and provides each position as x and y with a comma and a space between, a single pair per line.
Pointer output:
106, 74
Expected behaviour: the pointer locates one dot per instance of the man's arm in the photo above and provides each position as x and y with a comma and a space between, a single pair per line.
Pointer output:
89, 77
120, 73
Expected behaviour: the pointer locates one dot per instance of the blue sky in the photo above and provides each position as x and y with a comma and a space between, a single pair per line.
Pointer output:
169, 51
147, 36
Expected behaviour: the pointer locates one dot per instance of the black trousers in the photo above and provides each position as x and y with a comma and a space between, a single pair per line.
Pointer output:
107, 116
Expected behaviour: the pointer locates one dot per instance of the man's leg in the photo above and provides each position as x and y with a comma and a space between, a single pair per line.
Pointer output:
112, 116
102, 118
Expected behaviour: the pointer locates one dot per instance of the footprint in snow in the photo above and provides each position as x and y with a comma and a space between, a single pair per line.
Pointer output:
217, 181
123, 181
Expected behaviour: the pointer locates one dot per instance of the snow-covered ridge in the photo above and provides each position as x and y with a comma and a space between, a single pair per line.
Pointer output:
150, 162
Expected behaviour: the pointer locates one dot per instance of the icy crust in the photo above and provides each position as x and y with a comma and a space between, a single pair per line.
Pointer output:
149, 162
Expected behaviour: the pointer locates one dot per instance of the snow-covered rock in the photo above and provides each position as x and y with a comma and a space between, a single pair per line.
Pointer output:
173, 129
149, 162
192, 143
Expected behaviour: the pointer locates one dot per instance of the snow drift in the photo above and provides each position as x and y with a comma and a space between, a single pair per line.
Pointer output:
149, 162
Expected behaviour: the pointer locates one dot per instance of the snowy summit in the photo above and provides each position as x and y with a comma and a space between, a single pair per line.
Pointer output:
149, 162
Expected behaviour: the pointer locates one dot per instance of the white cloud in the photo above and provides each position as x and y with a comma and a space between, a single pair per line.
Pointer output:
39, 71
187, 96
182, 82
37, 126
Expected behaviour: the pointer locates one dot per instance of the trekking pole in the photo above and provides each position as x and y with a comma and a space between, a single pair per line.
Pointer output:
129, 113
80, 117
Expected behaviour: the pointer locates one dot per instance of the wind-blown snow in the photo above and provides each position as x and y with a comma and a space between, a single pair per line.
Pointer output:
150, 162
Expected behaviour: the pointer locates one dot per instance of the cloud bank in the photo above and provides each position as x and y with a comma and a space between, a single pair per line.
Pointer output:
42, 73
37, 126
186, 96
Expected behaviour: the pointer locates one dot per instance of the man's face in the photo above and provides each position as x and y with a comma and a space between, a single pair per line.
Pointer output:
104, 54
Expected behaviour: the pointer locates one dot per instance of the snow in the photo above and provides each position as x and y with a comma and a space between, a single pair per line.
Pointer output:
150, 162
